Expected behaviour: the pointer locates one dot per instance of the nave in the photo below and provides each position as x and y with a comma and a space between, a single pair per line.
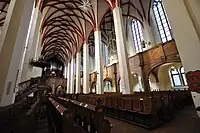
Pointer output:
95, 65
44, 112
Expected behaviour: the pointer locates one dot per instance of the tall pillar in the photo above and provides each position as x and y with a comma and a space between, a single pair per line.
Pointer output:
31, 42
103, 55
187, 40
65, 71
68, 76
86, 88
130, 43
71, 90
78, 72
98, 60
36, 71
126, 85
12, 42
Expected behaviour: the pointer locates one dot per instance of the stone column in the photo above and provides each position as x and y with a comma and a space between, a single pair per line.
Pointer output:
65, 71
103, 54
78, 72
86, 88
12, 42
72, 77
98, 60
186, 37
36, 71
68, 76
31, 45
124, 67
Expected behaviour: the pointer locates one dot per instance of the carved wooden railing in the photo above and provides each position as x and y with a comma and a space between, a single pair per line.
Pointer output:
144, 63
27, 84
154, 57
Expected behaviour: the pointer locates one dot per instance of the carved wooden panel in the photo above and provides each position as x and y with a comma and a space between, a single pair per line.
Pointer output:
171, 51
153, 55
134, 62
111, 71
93, 77
105, 73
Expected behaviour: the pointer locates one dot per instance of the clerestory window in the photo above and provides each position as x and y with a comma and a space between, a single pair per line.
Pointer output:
162, 21
137, 35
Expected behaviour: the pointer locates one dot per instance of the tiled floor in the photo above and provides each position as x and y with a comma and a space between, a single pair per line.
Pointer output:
185, 121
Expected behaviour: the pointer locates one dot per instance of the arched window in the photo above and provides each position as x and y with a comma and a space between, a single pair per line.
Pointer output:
137, 35
107, 86
162, 21
182, 72
106, 54
175, 77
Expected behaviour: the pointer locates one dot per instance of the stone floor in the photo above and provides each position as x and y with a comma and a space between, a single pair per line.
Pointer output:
185, 121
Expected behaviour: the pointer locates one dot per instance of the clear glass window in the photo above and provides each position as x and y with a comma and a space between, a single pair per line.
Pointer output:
137, 35
162, 21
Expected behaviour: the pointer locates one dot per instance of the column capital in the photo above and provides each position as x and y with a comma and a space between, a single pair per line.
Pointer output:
84, 40
113, 3
69, 62
97, 30
85, 43
78, 52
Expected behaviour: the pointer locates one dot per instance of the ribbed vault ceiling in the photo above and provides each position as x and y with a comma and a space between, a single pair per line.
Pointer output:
63, 27
66, 24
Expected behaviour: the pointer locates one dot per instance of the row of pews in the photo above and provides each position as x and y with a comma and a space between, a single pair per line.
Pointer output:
145, 109
13, 118
84, 117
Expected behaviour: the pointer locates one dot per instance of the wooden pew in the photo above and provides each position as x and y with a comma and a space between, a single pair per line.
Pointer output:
140, 108
87, 116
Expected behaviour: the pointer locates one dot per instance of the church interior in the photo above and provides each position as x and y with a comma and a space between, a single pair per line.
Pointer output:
99, 66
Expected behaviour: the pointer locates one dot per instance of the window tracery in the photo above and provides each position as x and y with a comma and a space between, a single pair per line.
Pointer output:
182, 72
137, 35
162, 21
178, 77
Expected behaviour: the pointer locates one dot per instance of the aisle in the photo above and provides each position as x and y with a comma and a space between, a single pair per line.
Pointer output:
186, 121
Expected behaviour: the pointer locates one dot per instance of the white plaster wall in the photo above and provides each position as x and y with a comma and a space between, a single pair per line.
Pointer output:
137, 83
193, 7
165, 82
19, 43
154, 28
27, 49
